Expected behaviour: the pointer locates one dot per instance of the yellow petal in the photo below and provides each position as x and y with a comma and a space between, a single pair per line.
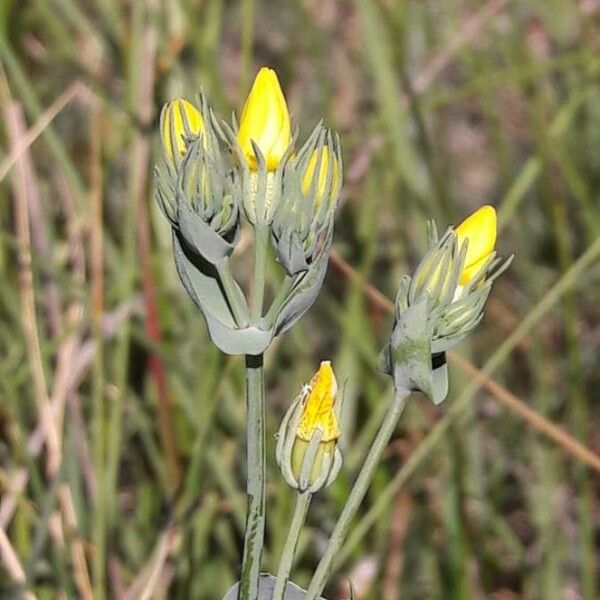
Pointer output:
321, 154
480, 229
180, 119
265, 120
318, 408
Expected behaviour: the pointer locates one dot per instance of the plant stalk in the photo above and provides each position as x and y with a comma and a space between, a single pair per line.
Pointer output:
291, 542
233, 294
285, 288
261, 240
359, 490
256, 466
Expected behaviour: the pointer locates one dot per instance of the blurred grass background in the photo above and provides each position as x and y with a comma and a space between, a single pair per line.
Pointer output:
138, 491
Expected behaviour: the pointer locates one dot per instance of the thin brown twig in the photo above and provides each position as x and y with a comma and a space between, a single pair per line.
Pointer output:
540, 423
537, 421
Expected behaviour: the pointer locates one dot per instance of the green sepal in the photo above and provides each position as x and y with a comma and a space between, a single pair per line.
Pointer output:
201, 237
197, 249
290, 252
201, 281
407, 358
208, 186
306, 288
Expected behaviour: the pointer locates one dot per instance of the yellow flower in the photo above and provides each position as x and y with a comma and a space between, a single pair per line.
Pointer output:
480, 229
321, 154
179, 119
317, 412
266, 121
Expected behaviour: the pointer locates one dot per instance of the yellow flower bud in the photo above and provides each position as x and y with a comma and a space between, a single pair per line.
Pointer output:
180, 119
306, 450
323, 155
317, 412
266, 121
480, 229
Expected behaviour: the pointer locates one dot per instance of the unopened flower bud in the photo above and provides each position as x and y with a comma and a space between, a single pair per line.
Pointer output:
179, 121
265, 121
307, 449
444, 300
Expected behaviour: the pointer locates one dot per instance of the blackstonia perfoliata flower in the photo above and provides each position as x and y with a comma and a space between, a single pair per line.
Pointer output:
265, 122
195, 174
307, 451
180, 123
455, 278
444, 300
311, 185
261, 146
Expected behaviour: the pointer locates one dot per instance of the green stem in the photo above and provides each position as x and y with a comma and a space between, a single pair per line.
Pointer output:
291, 542
261, 239
255, 518
359, 490
233, 294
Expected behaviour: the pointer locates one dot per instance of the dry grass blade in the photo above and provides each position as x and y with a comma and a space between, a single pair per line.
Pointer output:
29, 215
13, 117
140, 177
80, 568
85, 356
32, 134
12, 563
145, 583
395, 558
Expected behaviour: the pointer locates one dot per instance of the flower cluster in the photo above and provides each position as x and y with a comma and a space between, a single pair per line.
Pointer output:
212, 174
